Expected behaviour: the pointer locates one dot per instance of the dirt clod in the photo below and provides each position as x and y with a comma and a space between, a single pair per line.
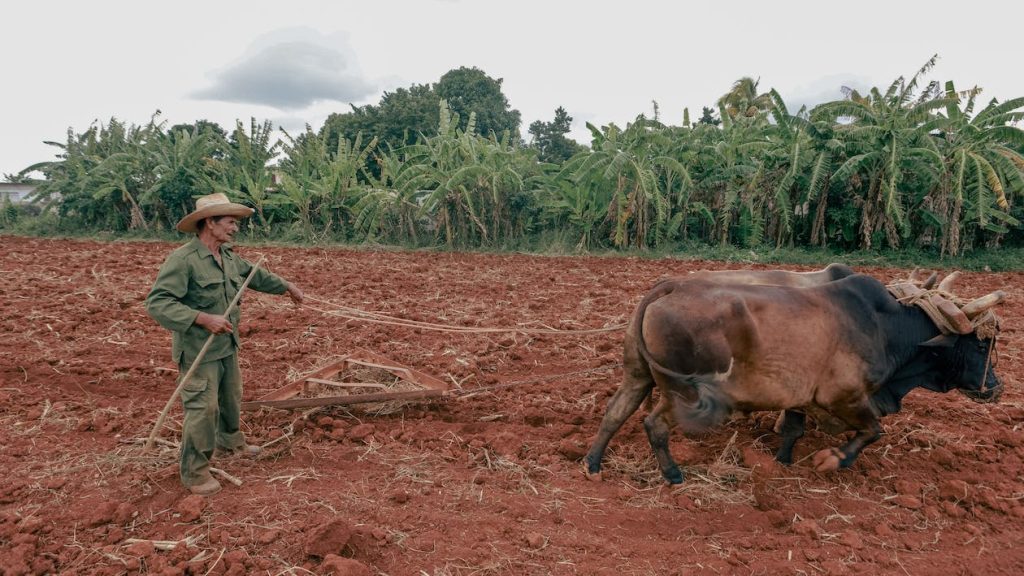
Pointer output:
331, 537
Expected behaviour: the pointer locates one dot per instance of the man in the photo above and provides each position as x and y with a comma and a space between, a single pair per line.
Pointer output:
192, 291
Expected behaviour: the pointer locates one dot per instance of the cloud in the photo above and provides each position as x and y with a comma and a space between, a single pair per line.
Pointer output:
291, 69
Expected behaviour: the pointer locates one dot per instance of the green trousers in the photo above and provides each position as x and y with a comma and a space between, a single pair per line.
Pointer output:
212, 400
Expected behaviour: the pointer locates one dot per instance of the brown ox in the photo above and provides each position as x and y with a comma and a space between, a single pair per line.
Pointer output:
634, 391
846, 348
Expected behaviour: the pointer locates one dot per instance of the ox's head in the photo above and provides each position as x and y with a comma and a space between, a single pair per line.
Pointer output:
966, 362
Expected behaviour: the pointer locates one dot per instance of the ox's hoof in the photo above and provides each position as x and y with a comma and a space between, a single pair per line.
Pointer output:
828, 460
784, 459
673, 475
592, 476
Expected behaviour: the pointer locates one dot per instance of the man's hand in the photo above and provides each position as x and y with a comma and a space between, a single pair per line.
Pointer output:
214, 324
294, 293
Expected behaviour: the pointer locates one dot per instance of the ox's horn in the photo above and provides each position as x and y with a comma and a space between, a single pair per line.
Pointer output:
909, 290
913, 275
975, 307
956, 320
930, 282
947, 283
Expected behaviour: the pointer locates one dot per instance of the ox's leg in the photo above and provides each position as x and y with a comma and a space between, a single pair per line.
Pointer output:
636, 385
791, 428
658, 425
623, 404
860, 418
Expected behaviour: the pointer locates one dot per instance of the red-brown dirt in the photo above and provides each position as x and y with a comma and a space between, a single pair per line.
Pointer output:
484, 483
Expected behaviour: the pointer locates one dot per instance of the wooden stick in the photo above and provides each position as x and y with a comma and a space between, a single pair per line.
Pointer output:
158, 544
343, 400
160, 441
345, 384
405, 371
199, 358
226, 476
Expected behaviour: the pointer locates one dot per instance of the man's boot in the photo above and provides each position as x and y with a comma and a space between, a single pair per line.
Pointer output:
207, 488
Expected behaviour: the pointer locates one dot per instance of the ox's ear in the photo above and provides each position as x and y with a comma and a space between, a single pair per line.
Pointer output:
941, 341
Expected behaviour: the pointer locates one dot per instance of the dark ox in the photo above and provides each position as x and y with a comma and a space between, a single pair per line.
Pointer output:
846, 349
771, 277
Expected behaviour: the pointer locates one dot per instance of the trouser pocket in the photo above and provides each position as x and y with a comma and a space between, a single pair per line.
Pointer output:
197, 387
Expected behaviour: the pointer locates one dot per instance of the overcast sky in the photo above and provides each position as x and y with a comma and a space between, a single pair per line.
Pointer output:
66, 64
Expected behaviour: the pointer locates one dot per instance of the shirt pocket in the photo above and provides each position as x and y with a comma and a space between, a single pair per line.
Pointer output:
209, 292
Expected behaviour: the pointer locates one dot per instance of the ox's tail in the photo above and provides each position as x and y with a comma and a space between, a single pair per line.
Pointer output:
712, 405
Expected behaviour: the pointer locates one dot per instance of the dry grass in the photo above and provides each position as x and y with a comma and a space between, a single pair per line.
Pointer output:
634, 461
288, 478
520, 475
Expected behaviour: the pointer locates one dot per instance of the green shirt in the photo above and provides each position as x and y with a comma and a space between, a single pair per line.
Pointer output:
191, 281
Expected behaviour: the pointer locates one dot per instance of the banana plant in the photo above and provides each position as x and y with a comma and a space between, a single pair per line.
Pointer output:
248, 173
888, 149
984, 166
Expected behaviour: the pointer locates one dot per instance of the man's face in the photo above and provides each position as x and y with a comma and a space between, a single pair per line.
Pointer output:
224, 229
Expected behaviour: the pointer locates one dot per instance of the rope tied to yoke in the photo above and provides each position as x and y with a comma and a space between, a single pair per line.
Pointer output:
945, 309
358, 315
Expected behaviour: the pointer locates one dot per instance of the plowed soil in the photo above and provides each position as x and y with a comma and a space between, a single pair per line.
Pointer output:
487, 480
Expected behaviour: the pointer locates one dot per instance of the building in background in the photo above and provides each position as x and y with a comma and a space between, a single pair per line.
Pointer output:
16, 192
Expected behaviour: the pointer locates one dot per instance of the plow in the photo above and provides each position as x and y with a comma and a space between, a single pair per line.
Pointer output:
389, 381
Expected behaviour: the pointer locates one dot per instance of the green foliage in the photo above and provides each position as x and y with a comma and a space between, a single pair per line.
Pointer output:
401, 118
185, 165
248, 175
321, 185
8, 213
742, 100
916, 165
708, 117
471, 188
471, 92
550, 141
99, 176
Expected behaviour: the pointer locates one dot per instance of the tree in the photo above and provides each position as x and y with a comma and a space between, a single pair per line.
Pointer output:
321, 184
708, 117
982, 166
730, 182
405, 115
19, 178
213, 132
183, 167
471, 187
798, 165
399, 119
550, 141
889, 152
636, 177
100, 174
470, 90
743, 100
248, 174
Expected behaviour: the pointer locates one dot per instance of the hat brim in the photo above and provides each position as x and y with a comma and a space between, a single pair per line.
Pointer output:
188, 223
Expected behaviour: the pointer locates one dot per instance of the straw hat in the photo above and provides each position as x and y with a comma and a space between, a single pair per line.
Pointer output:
211, 205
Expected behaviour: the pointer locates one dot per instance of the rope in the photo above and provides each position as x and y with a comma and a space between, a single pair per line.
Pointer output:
464, 393
912, 295
358, 315
985, 326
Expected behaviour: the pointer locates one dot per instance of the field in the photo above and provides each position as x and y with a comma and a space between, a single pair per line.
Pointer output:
487, 480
